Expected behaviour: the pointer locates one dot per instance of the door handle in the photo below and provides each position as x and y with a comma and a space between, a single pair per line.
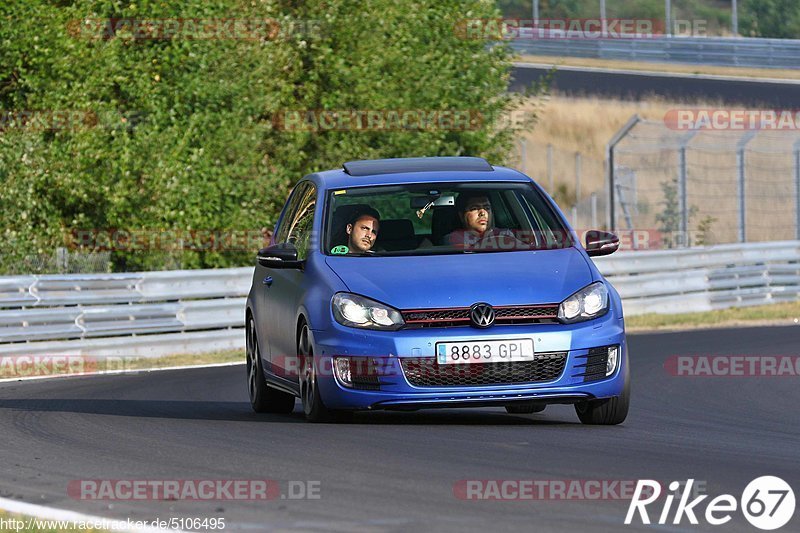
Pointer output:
267, 281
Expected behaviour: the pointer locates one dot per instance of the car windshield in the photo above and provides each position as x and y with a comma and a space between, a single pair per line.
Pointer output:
446, 218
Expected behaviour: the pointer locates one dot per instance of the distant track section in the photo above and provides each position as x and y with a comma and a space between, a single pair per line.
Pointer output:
637, 85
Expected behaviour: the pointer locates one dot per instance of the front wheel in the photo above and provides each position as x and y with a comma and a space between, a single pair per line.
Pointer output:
313, 406
263, 398
609, 411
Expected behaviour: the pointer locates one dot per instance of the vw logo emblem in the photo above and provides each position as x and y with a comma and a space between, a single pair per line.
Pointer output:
481, 315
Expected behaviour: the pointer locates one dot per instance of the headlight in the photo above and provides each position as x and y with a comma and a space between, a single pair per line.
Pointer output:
360, 312
589, 302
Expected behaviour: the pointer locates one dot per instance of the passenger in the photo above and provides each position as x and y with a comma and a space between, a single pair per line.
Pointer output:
475, 213
362, 230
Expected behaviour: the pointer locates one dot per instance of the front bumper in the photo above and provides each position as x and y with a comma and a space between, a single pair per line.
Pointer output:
396, 392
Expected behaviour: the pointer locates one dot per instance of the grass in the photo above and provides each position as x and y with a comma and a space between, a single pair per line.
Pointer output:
774, 314
788, 74
18, 367
584, 125
230, 356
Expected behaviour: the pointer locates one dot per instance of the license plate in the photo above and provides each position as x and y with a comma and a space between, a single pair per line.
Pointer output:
495, 351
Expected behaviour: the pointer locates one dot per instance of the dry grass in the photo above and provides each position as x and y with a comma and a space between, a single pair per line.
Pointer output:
582, 125
55, 365
663, 67
586, 125
775, 314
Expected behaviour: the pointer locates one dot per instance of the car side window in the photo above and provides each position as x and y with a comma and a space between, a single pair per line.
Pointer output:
297, 224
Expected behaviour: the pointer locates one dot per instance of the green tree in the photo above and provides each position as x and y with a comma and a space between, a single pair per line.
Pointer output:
184, 136
779, 19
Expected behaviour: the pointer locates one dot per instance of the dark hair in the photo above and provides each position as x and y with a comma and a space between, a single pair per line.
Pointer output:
463, 198
364, 212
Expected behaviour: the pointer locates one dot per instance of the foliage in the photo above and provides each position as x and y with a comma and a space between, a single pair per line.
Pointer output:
181, 135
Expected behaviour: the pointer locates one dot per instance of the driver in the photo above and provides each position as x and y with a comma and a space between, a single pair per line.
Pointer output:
362, 230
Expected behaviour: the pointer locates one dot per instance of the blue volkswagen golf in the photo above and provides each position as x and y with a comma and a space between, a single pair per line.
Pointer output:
432, 282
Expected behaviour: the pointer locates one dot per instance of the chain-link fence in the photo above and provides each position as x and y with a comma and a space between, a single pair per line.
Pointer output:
705, 186
573, 179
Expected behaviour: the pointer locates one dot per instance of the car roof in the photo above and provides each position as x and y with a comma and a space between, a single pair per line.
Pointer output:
414, 170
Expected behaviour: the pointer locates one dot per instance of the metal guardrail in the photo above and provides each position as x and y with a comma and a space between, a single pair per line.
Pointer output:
143, 314
192, 311
719, 51
705, 279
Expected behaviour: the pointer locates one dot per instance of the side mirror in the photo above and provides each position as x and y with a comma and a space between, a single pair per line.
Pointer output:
282, 255
601, 243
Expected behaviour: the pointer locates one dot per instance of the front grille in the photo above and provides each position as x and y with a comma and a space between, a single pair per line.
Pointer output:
459, 316
427, 372
592, 366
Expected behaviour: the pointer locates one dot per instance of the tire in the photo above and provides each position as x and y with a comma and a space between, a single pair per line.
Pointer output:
263, 398
313, 406
609, 411
525, 408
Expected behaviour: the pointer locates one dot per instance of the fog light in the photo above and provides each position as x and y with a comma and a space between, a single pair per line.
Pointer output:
342, 367
611, 362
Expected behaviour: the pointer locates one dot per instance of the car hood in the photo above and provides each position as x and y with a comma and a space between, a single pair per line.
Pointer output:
460, 280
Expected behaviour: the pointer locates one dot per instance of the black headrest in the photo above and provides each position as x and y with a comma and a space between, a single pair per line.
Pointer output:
341, 217
396, 230
445, 220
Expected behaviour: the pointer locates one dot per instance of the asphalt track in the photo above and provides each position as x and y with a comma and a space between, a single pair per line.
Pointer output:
635, 85
396, 471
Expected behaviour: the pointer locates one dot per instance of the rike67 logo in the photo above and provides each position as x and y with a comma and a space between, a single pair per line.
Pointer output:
767, 503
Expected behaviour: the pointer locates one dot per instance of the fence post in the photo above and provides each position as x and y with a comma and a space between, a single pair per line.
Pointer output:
682, 204
550, 169
797, 189
610, 167
668, 17
62, 260
683, 192
577, 177
740, 188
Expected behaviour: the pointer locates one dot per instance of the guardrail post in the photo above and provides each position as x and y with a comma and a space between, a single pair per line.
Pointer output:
610, 167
